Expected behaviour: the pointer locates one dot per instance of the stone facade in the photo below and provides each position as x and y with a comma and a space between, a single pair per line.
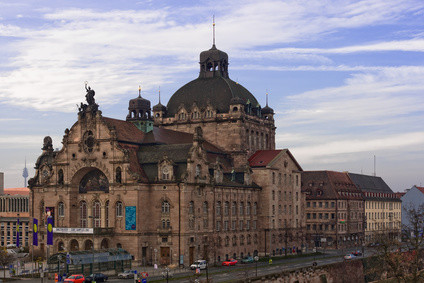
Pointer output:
203, 182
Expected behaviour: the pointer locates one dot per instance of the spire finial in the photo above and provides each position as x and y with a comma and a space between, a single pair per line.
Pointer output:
159, 94
213, 30
267, 97
139, 91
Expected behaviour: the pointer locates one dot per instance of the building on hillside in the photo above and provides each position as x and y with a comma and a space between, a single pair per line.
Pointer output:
334, 210
199, 179
383, 208
413, 198
14, 205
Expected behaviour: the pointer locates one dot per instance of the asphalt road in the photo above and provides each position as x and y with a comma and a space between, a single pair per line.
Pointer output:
241, 271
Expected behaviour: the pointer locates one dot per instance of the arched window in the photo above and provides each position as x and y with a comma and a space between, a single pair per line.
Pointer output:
191, 207
218, 208
226, 208
61, 209
60, 177
198, 170
119, 209
83, 214
248, 208
96, 214
255, 208
234, 240
118, 177
227, 241
107, 213
165, 206
234, 208
241, 210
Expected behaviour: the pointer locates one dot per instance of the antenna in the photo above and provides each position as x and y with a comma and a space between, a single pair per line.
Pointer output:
213, 29
25, 174
159, 94
267, 97
375, 174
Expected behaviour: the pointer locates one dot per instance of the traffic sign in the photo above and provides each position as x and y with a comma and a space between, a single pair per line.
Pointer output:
144, 280
144, 274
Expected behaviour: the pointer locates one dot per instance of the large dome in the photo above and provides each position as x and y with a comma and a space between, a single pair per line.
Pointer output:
212, 87
216, 91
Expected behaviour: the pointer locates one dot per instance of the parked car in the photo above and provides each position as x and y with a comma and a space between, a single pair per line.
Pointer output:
247, 259
229, 262
75, 278
201, 263
98, 277
357, 253
127, 274
349, 256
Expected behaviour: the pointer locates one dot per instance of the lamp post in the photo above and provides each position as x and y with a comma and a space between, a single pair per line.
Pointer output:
92, 264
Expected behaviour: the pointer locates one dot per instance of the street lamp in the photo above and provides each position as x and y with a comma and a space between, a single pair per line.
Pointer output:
92, 264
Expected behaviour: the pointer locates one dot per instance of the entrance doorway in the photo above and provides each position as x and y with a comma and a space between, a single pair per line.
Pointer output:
165, 256
191, 255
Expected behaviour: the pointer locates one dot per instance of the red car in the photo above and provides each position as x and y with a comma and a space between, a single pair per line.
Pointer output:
75, 278
229, 262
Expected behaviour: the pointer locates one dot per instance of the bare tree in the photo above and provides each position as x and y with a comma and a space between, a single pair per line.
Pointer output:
5, 260
413, 236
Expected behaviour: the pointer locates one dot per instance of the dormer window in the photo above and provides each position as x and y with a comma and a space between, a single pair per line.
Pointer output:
166, 172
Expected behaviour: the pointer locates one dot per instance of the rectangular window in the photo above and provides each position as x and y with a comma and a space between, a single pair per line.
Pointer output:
333, 205
326, 204
320, 204
218, 225
308, 204
248, 225
225, 225
241, 225
314, 215
254, 225
308, 216
233, 225
314, 204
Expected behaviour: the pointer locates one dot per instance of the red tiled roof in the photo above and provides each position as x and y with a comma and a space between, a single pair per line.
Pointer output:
262, 158
420, 188
125, 131
17, 191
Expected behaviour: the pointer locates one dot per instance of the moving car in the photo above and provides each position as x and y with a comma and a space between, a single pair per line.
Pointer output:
127, 274
201, 263
229, 262
349, 256
247, 259
75, 278
97, 277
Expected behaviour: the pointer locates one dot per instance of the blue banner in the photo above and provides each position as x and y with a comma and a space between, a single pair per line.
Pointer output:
17, 235
130, 219
50, 231
35, 232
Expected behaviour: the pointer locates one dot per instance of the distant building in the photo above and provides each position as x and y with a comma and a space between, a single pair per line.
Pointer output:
1, 183
14, 205
414, 197
383, 207
334, 210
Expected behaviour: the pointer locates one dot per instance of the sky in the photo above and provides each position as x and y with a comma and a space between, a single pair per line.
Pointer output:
345, 78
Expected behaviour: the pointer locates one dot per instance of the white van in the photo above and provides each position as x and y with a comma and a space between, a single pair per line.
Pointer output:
201, 264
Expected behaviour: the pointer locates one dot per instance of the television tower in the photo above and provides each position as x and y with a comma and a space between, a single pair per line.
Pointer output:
25, 174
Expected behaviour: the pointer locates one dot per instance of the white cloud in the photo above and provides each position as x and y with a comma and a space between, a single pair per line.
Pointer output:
116, 50
26, 141
391, 96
